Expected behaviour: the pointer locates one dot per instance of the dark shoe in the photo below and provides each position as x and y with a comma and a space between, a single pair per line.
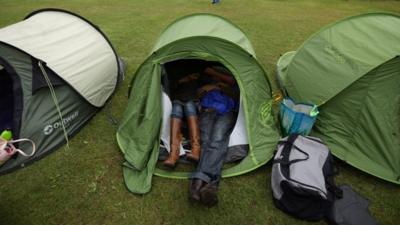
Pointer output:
209, 195
194, 189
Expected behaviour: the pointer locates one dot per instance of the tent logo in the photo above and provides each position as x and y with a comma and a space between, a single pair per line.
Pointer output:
265, 112
339, 57
48, 129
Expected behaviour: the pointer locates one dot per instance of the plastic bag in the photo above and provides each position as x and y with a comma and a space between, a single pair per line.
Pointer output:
7, 149
297, 118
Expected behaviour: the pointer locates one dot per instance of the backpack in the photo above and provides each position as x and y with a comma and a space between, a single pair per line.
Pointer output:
302, 177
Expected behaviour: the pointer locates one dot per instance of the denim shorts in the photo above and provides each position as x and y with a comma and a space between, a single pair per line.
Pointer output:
180, 109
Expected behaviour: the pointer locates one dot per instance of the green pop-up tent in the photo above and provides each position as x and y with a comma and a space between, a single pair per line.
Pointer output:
203, 37
351, 69
56, 71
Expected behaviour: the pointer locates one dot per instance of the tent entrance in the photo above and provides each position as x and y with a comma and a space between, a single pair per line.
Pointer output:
172, 73
6, 100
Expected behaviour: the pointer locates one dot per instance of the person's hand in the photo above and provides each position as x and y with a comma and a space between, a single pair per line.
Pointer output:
190, 77
209, 71
206, 88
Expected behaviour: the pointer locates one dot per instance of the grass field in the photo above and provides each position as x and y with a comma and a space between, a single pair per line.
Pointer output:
84, 185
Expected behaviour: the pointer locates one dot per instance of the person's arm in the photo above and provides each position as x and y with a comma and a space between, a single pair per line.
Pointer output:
218, 76
205, 89
190, 77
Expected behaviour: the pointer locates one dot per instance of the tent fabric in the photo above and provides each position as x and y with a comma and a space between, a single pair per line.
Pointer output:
70, 47
140, 131
204, 25
354, 70
29, 104
362, 123
36, 117
340, 54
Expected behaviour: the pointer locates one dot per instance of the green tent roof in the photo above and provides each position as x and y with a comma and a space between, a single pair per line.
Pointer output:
338, 55
203, 24
351, 70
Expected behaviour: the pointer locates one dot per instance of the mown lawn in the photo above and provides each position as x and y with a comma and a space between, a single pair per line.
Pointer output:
84, 185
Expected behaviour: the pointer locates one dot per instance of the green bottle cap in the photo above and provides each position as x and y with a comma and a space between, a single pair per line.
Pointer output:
314, 111
6, 135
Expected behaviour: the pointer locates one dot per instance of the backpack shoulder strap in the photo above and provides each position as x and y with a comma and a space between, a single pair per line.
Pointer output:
287, 146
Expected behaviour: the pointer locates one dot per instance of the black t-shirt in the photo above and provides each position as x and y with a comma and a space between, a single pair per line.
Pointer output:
184, 88
178, 70
185, 91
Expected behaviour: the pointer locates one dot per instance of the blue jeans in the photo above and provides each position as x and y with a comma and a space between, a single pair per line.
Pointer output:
215, 132
179, 109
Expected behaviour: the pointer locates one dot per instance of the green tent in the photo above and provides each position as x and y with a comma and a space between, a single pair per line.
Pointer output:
351, 69
52, 50
203, 37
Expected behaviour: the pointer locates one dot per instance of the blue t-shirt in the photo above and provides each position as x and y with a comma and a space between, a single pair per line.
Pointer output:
219, 101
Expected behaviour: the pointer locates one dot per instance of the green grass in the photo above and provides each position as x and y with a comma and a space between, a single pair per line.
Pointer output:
84, 184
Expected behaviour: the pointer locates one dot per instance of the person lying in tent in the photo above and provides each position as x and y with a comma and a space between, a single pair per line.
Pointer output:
219, 107
184, 100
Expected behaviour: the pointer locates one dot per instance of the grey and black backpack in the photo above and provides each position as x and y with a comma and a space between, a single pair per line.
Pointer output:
302, 177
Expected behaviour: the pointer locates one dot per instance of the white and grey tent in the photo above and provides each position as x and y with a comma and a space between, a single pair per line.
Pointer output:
56, 71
